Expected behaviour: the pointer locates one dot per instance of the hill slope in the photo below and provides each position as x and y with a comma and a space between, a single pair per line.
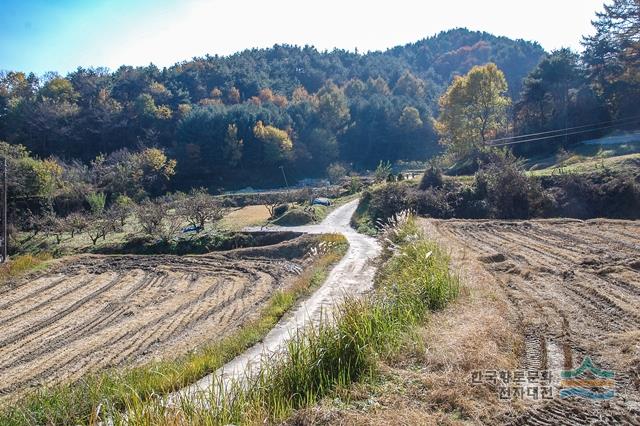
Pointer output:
315, 108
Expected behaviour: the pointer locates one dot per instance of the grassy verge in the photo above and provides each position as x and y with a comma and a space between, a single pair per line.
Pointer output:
342, 350
117, 389
21, 264
581, 164
361, 221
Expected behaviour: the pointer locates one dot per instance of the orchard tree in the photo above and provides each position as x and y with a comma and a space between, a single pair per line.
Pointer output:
151, 215
122, 207
199, 208
76, 223
473, 110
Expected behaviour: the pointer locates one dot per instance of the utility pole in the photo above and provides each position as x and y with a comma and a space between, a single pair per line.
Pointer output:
4, 210
285, 177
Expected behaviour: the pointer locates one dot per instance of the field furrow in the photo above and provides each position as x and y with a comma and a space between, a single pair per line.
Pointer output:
572, 285
97, 312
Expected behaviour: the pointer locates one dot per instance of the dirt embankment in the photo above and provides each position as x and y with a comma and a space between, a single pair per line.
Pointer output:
574, 291
96, 312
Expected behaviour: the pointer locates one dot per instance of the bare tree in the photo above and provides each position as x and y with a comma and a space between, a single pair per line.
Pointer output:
171, 225
150, 216
54, 226
76, 223
99, 227
158, 219
271, 201
122, 208
198, 208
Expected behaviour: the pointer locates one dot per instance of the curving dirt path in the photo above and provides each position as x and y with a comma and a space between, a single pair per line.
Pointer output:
353, 275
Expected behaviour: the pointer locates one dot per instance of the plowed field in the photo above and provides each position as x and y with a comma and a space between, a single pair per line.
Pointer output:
102, 311
574, 289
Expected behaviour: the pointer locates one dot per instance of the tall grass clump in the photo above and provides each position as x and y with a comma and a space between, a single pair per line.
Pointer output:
417, 271
21, 264
344, 347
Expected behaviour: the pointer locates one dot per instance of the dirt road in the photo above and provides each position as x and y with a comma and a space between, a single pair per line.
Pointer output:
574, 290
102, 311
352, 276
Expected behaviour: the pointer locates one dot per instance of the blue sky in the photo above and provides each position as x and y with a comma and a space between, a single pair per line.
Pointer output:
60, 35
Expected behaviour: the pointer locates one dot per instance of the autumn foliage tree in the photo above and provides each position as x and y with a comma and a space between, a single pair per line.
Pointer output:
473, 110
276, 142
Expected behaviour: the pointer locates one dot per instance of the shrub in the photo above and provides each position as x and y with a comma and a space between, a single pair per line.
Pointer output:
336, 171
432, 177
605, 194
355, 185
280, 210
295, 217
97, 202
502, 189
431, 203
509, 192
382, 171
388, 200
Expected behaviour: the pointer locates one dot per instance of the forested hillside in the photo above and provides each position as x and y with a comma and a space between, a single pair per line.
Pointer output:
231, 121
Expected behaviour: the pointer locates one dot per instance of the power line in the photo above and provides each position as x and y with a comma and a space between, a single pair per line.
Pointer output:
561, 132
553, 136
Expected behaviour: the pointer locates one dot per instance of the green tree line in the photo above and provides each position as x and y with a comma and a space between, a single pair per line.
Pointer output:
315, 108
588, 91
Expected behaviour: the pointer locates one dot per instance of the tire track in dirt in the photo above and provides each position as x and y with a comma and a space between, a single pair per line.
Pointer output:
16, 300
65, 333
44, 340
572, 285
66, 311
